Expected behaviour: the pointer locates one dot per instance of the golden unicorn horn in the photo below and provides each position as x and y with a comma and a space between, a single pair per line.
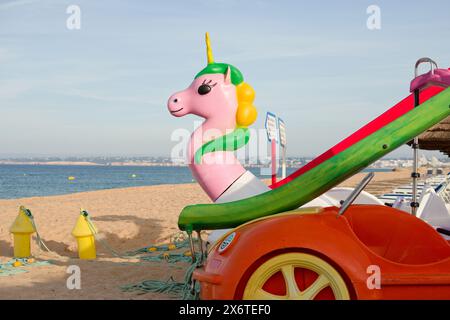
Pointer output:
209, 54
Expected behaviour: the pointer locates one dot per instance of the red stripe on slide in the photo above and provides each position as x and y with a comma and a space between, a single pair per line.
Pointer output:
395, 112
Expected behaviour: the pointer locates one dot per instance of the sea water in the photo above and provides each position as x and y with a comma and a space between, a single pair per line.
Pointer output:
20, 181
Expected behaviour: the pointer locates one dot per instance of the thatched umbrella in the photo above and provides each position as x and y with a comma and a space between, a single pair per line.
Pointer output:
437, 137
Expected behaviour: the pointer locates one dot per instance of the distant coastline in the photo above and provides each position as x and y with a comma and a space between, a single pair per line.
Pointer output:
149, 161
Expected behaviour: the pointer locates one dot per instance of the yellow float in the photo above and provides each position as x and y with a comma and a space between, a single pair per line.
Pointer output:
22, 228
84, 232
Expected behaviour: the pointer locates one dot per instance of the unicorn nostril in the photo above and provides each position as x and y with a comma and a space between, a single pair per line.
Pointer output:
175, 100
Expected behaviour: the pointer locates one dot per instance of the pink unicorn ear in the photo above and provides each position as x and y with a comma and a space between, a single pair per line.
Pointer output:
228, 76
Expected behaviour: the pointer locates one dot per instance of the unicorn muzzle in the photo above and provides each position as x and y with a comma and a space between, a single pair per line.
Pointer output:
175, 111
174, 105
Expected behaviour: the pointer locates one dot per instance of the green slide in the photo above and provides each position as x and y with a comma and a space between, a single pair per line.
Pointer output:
324, 176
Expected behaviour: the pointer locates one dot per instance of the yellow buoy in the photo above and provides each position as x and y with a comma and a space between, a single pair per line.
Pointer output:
84, 233
22, 228
71, 178
17, 263
172, 246
187, 253
152, 249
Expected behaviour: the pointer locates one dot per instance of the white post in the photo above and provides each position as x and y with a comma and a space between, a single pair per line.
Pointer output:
272, 133
283, 169
274, 161
282, 139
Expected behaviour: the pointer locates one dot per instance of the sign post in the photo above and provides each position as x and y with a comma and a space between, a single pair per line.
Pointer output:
282, 131
272, 136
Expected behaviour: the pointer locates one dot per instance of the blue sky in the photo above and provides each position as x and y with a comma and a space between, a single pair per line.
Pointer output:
102, 90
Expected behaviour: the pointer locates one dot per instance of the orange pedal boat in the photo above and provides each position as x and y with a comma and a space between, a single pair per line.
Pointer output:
315, 253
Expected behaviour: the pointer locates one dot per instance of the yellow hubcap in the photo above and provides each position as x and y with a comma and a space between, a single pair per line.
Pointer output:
286, 264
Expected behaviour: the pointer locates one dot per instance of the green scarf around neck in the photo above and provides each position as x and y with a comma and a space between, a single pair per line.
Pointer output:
228, 142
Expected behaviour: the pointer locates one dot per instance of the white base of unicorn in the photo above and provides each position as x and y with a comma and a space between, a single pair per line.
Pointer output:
249, 185
245, 187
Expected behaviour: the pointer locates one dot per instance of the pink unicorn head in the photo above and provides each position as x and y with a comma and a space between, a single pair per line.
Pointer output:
210, 96
220, 96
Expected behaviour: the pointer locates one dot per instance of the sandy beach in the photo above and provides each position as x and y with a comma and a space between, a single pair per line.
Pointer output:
129, 219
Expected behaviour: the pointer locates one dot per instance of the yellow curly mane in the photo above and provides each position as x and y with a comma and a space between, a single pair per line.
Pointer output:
246, 112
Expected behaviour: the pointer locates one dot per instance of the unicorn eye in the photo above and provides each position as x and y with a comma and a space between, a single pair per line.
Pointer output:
204, 89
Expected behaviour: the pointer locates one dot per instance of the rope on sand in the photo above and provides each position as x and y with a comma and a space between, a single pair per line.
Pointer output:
169, 287
177, 241
41, 244
181, 290
186, 290
13, 266
169, 257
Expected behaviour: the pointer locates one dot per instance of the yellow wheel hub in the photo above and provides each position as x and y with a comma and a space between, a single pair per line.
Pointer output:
286, 263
